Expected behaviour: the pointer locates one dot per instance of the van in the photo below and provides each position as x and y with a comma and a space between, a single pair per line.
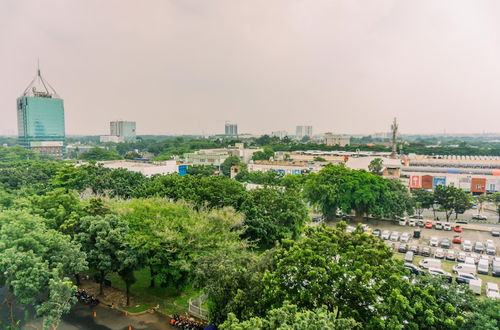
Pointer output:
409, 256
470, 261
465, 268
475, 285
429, 262
483, 267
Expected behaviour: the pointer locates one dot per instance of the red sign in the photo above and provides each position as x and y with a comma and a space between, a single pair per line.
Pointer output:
415, 182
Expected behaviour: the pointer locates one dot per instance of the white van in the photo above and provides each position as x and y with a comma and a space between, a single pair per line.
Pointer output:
483, 267
475, 285
492, 291
465, 268
429, 262
470, 261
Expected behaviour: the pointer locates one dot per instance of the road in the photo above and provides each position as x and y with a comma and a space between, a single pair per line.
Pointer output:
492, 216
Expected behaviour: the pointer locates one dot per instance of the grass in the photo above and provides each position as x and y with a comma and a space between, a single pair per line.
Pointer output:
169, 299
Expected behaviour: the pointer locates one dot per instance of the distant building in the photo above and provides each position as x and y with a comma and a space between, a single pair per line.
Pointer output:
125, 130
145, 167
216, 157
40, 118
110, 138
231, 129
331, 139
279, 134
301, 131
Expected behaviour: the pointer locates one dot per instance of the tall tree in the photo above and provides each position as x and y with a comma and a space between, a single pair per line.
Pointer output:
422, 199
376, 166
452, 199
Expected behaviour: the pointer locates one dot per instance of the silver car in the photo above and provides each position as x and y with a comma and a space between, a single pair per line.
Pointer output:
386, 234
467, 246
394, 236
405, 237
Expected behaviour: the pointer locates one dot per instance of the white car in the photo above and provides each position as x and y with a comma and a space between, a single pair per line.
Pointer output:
491, 249
394, 236
402, 222
492, 291
447, 226
412, 222
439, 253
434, 241
483, 267
467, 246
385, 234
405, 237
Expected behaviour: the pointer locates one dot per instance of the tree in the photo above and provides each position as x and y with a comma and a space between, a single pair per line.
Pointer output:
291, 317
485, 316
319, 159
495, 199
376, 165
173, 236
99, 154
452, 199
273, 214
35, 262
201, 170
481, 199
265, 154
422, 199
103, 239
229, 162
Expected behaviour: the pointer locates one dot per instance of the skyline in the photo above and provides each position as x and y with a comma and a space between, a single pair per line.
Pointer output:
188, 67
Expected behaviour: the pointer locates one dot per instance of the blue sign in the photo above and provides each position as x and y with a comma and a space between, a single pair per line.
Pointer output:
183, 169
438, 180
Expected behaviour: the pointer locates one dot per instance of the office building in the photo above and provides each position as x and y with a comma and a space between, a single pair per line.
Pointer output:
231, 129
279, 134
301, 131
331, 139
40, 118
124, 130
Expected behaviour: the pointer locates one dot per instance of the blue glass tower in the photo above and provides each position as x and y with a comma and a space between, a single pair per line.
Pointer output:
40, 118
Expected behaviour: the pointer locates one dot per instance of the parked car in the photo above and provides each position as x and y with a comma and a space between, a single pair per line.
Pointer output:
465, 278
416, 233
457, 228
420, 223
447, 226
439, 253
474, 256
492, 290
430, 262
461, 256
476, 285
409, 256
394, 236
412, 222
389, 244
470, 261
495, 268
479, 247
465, 268
426, 251
450, 255
483, 267
445, 243
438, 226
376, 232
413, 248
386, 234
405, 237
417, 217
402, 222
457, 239
495, 232
428, 224
480, 217
491, 249
412, 268
403, 247
434, 241
467, 246
440, 272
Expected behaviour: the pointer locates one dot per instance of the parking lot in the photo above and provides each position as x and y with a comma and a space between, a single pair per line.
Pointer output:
424, 241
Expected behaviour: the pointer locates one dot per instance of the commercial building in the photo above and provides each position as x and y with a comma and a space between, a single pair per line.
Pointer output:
301, 131
125, 130
231, 129
331, 139
279, 134
40, 118
216, 157
147, 168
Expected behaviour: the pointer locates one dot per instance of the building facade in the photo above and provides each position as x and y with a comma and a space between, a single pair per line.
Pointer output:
125, 130
331, 139
40, 119
231, 129
301, 131
279, 134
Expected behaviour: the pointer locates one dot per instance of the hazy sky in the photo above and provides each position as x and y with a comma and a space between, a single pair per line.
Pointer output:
187, 66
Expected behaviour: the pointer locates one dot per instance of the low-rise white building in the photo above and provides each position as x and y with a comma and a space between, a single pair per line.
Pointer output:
146, 168
216, 157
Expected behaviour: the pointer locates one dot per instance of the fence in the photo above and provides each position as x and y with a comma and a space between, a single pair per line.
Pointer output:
195, 309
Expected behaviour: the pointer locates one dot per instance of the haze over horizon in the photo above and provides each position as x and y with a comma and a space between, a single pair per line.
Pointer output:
186, 67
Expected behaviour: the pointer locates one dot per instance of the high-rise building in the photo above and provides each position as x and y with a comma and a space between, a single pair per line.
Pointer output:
231, 129
301, 131
279, 134
124, 130
40, 118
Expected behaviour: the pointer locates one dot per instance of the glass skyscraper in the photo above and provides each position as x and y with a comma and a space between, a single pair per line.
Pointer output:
40, 118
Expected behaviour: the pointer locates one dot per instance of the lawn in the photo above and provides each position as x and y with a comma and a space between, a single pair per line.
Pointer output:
170, 301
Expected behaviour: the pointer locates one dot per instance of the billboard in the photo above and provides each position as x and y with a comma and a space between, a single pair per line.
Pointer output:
438, 180
427, 181
415, 182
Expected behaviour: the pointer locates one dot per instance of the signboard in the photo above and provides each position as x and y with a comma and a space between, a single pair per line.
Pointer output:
438, 180
182, 169
35, 144
415, 182
427, 181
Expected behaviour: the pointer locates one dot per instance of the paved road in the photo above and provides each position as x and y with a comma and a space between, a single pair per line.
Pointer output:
81, 318
492, 216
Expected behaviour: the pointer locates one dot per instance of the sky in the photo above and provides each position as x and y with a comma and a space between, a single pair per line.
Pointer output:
188, 66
